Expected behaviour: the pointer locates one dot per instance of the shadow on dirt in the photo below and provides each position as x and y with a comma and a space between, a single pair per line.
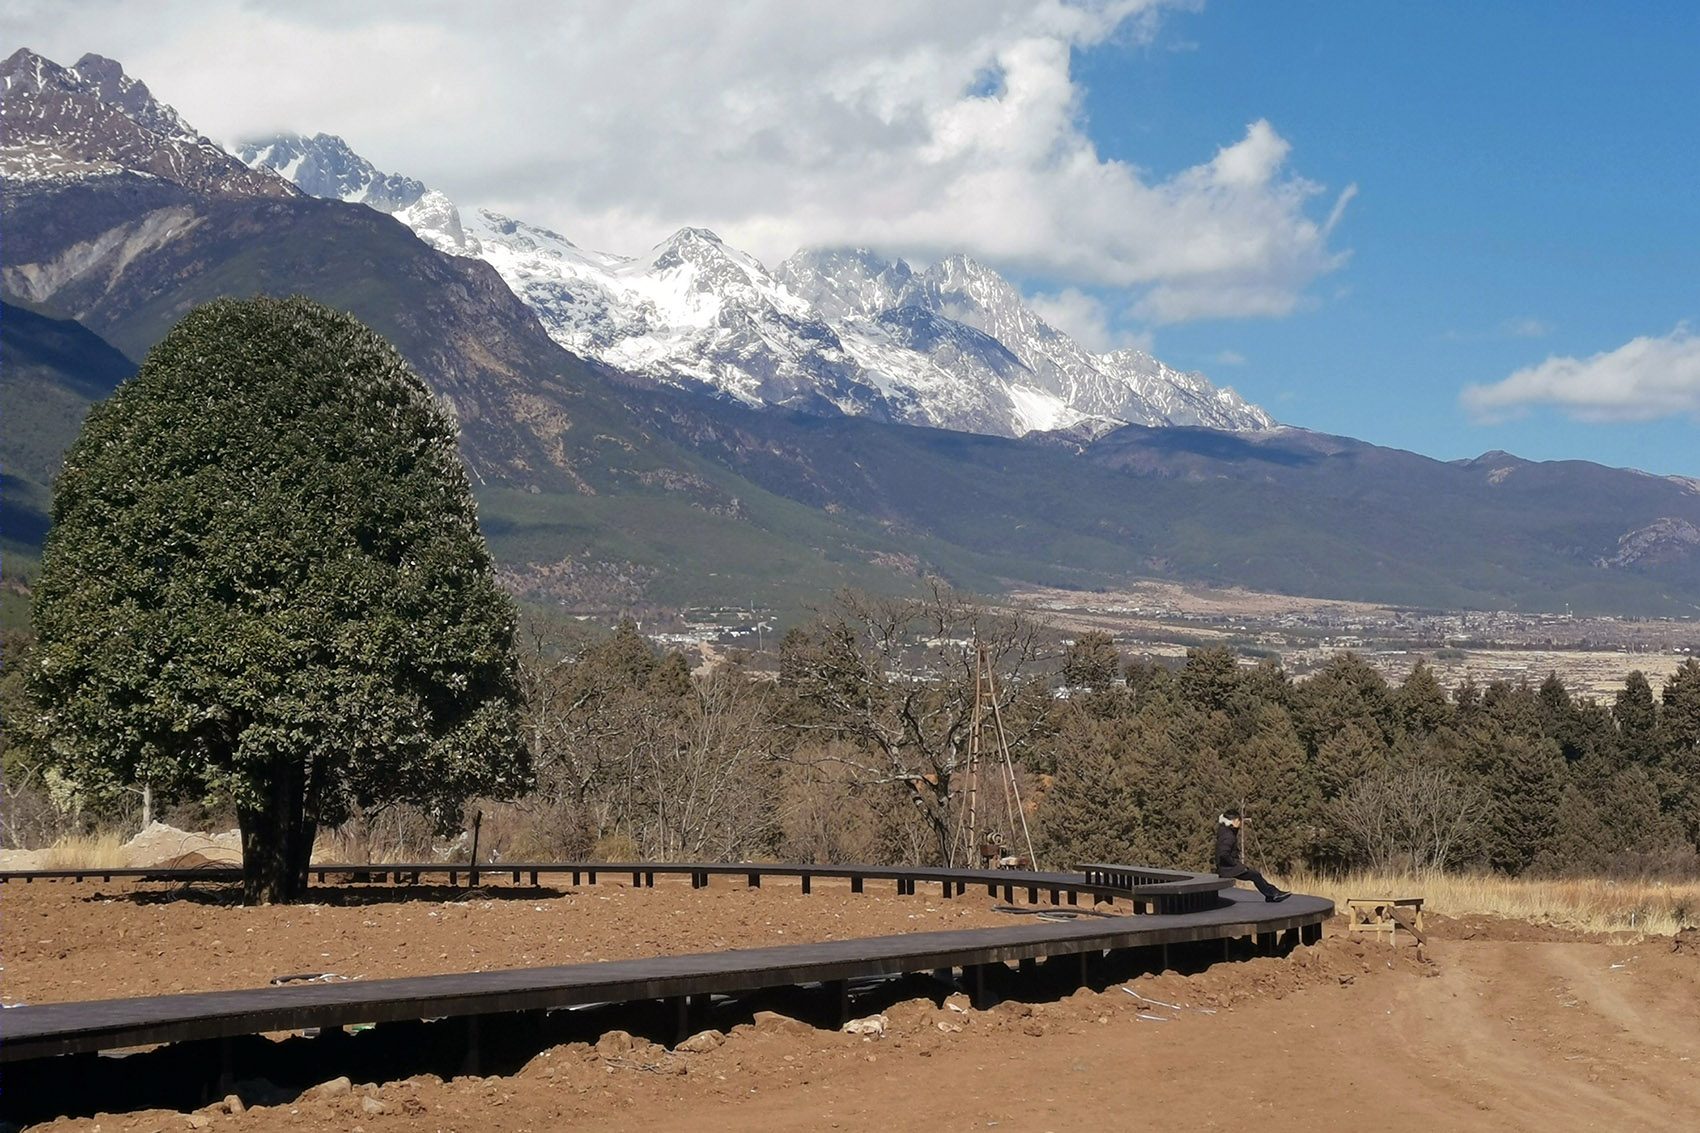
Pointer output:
224, 893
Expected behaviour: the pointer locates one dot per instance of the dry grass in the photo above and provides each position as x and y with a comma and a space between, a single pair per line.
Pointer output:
1585, 904
85, 851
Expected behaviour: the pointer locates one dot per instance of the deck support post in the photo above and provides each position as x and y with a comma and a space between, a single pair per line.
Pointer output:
681, 1005
977, 994
838, 992
472, 1061
226, 1067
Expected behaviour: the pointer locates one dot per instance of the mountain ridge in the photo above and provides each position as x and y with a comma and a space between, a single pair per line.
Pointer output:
695, 311
603, 491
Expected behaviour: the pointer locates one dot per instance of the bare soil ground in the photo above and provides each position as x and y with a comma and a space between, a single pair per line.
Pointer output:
1503, 1025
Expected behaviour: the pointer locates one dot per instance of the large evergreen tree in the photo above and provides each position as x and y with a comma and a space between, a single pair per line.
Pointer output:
1091, 812
265, 580
1679, 722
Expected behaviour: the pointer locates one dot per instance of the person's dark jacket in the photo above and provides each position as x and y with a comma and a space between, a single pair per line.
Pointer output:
1227, 849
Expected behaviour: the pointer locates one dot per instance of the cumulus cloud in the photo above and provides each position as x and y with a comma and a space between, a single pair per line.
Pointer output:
1642, 380
916, 129
1086, 318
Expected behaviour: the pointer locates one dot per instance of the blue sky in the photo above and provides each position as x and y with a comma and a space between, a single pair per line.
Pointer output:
1527, 189
1447, 227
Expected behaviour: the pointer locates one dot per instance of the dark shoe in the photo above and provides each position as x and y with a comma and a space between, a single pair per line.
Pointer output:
1280, 895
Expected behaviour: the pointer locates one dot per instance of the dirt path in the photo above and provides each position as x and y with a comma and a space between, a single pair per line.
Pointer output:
1602, 1036
1503, 1027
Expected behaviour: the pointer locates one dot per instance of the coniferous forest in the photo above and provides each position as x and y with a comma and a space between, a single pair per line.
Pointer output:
858, 750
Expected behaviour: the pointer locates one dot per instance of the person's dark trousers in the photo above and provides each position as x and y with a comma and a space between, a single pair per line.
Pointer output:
1246, 873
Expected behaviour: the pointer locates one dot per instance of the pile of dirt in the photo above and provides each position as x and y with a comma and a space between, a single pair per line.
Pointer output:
161, 845
1686, 942
158, 844
1478, 926
23, 859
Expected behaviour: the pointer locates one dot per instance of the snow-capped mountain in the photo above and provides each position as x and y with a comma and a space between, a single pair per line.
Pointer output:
324, 166
119, 217
1056, 383
93, 120
842, 331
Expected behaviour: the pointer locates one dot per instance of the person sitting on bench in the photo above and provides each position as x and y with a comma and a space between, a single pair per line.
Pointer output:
1228, 863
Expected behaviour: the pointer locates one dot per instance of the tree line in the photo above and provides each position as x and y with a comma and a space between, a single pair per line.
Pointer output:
854, 745
859, 751
265, 594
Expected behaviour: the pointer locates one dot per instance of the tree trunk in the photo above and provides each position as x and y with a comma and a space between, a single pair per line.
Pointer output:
277, 840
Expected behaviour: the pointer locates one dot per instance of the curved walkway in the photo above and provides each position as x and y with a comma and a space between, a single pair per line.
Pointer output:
1171, 908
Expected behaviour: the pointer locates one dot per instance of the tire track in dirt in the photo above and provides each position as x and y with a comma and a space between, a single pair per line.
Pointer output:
1550, 1036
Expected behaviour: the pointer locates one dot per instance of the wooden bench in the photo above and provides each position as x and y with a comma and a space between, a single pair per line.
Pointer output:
1385, 915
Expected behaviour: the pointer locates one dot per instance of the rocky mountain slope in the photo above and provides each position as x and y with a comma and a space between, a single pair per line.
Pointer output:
954, 347
600, 491
92, 120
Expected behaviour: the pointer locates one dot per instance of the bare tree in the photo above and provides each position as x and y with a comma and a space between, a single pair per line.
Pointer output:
895, 679
710, 766
1415, 819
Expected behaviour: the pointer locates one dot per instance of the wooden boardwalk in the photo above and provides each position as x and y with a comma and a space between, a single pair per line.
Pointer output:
1150, 890
1211, 912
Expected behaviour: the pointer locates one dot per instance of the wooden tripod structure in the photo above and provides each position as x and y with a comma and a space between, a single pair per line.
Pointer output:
986, 707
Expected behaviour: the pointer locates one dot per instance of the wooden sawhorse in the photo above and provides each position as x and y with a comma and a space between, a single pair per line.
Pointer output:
1385, 915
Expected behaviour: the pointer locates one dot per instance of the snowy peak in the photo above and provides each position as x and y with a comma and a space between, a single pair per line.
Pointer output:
694, 277
93, 120
845, 283
832, 330
324, 166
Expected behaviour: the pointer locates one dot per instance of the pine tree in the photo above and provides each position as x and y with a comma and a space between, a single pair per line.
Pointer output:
1526, 790
1091, 812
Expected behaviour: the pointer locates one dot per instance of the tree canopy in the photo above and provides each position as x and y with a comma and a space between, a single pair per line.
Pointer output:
265, 579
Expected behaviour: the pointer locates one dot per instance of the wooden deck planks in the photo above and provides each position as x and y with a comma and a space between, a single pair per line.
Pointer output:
66, 1028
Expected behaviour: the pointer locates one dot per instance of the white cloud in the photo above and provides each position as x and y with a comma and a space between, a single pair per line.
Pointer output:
1526, 327
1086, 319
1522, 326
1230, 358
1643, 380
916, 129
